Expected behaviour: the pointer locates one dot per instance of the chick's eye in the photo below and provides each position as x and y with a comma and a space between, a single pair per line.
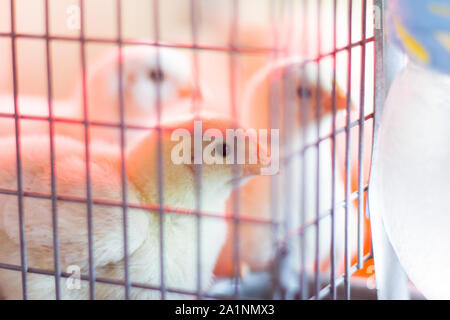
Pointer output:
156, 75
304, 92
223, 149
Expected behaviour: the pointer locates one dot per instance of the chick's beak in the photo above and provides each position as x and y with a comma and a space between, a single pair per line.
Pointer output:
189, 91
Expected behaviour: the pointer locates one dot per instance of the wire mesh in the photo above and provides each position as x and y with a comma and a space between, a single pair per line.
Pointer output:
286, 221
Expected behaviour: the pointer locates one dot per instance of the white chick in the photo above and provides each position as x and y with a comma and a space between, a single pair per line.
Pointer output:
284, 82
179, 230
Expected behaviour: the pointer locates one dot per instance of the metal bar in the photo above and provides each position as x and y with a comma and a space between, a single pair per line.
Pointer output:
391, 279
161, 44
139, 127
109, 281
361, 138
333, 159
347, 153
318, 120
198, 172
23, 249
284, 106
123, 168
274, 122
149, 207
56, 257
87, 159
234, 114
161, 212
239, 50
166, 128
304, 107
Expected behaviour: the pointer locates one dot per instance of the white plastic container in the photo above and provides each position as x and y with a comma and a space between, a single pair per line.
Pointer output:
410, 179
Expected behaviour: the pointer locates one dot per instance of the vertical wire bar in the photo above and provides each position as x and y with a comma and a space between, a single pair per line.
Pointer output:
194, 17
333, 163
23, 249
303, 114
318, 120
56, 258
288, 140
87, 157
122, 153
234, 114
361, 139
286, 86
304, 122
159, 151
273, 122
347, 153
380, 81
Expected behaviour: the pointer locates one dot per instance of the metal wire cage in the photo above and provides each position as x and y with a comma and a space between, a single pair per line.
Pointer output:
339, 43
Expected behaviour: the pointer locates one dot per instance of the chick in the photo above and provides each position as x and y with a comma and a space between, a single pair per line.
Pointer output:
275, 98
179, 228
147, 73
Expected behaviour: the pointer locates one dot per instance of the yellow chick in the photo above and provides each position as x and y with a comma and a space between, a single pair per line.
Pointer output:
179, 226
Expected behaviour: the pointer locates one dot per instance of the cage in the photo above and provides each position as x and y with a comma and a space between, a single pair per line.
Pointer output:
313, 70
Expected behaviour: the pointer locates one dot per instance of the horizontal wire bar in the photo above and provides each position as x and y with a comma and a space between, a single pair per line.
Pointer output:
235, 49
31, 270
151, 207
5, 266
118, 125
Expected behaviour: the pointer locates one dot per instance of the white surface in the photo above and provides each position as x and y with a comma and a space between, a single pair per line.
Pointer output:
411, 177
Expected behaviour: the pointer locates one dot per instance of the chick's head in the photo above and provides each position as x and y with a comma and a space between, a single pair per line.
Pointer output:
293, 88
197, 159
148, 74
147, 70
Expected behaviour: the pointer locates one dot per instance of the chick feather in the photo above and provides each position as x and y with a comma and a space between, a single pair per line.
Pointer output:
179, 230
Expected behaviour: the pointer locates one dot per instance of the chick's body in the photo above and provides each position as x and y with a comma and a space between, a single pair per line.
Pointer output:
179, 230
